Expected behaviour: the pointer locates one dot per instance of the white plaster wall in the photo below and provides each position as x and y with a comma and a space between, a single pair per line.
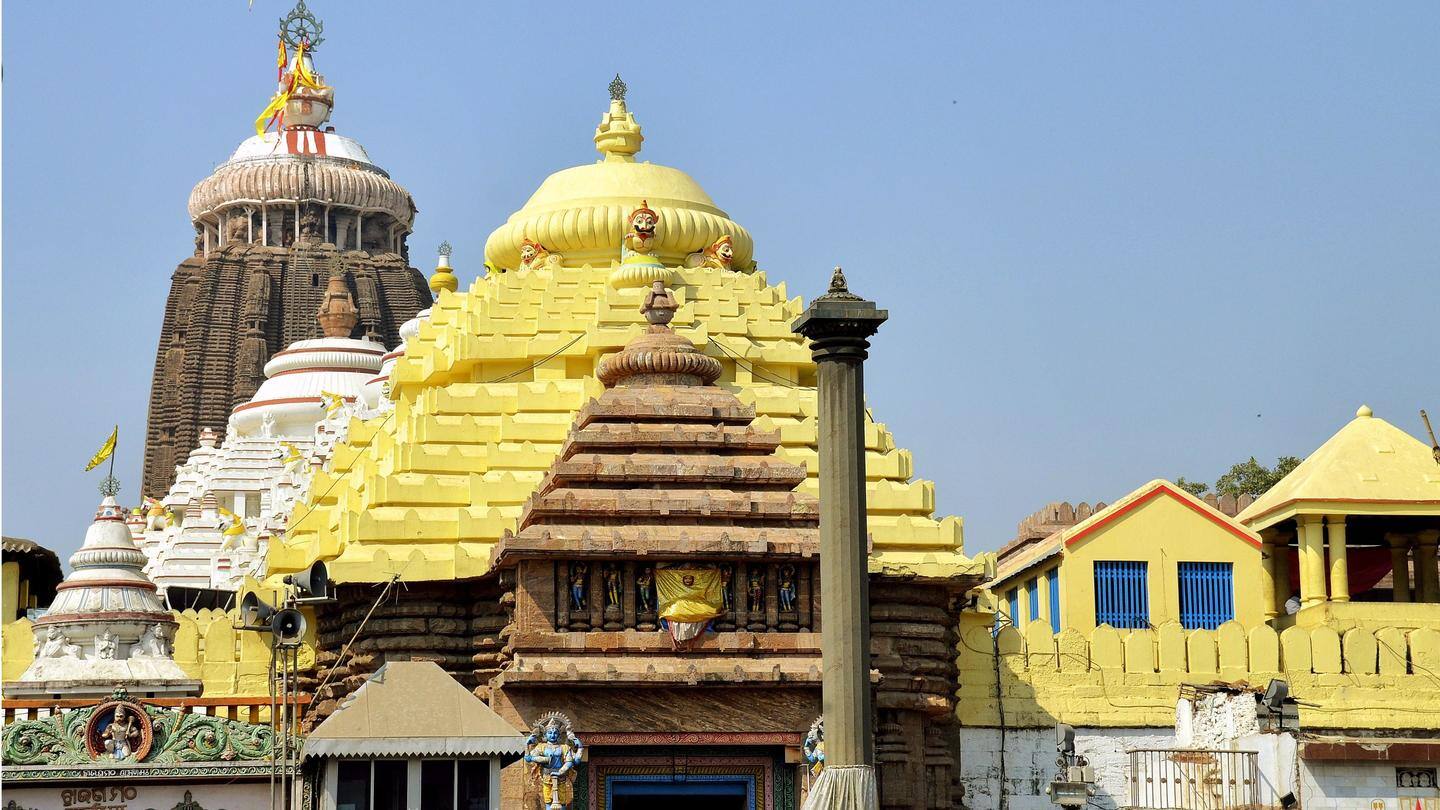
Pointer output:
1360, 786
1030, 763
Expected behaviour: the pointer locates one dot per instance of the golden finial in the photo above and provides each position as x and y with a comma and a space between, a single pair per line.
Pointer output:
618, 136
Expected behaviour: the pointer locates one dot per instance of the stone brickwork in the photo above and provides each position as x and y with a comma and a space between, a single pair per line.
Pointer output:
229, 312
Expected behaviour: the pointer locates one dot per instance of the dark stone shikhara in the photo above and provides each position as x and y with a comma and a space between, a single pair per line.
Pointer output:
228, 313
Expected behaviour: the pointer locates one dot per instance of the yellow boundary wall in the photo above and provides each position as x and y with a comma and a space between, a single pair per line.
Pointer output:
231, 662
1388, 678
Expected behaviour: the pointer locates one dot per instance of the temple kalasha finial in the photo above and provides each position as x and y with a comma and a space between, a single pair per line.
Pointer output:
617, 88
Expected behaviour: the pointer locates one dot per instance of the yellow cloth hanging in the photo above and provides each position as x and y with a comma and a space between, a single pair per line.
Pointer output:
688, 593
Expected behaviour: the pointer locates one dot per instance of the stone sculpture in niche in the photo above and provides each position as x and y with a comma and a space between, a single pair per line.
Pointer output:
56, 645
578, 572
640, 238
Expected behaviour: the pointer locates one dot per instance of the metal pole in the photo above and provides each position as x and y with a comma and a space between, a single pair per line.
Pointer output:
838, 325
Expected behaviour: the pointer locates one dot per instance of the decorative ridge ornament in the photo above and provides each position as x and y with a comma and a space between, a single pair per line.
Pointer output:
659, 356
617, 88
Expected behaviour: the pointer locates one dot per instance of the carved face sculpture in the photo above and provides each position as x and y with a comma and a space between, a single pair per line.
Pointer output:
725, 252
527, 253
552, 733
643, 222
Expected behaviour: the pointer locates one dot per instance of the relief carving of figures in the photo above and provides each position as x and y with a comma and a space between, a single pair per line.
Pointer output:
639, 239
788, 592
533, 255
237, 228
309, 223
611, 575
374, 235
727, 573
105, 645
756, 591
154, 643
719, 255
551, 754
578, 577
122, 736
645, 589
56, 645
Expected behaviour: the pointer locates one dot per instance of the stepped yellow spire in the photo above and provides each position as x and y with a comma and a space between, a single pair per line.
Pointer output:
618, 137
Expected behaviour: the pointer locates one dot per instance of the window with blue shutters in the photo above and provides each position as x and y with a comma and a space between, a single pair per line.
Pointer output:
1052, 581
1207, 594
1012, 598
1122, 597
1033, 588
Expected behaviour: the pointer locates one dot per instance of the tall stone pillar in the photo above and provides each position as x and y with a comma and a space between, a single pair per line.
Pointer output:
1399, 566
1425, 574
838, 325
1339, 565
1268, 602
1312, 559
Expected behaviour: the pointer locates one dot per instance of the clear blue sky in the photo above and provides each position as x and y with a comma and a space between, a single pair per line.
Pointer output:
1117, 241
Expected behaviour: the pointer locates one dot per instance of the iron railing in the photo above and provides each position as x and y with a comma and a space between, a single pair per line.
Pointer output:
1181, 779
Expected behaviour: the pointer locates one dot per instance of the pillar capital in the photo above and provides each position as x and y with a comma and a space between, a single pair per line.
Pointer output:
1308, 520
1397, 539
1429, 537
840, 323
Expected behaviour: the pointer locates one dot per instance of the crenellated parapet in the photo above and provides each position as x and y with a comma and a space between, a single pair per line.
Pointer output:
1359, 679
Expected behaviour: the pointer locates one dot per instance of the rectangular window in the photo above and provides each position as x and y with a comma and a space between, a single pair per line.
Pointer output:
1122, 597
390, 784
1012, 600
352, 790
437, 784
1033, 589
474, 786
1052, 581
1207, 594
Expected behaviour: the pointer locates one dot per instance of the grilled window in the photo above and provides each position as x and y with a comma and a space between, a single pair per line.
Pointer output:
1207, 594
1012, 599
1033, 589
1122, 598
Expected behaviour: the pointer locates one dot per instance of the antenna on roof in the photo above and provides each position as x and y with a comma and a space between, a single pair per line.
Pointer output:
1434, 445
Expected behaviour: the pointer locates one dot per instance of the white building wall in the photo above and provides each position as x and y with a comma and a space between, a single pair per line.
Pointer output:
1030, 764
1361, 786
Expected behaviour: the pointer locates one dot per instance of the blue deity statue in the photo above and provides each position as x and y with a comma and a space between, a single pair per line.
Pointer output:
551, 754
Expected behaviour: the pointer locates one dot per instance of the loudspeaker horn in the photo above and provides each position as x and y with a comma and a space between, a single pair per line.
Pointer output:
255, 614
314, 583
288, 627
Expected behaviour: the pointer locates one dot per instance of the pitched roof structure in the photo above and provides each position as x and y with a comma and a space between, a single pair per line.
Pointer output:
413, 708
1369, 467
1056, 543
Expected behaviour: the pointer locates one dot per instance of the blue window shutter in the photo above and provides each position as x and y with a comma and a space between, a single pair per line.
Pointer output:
1053, 583
1012, 597
1122, 594
1033, 588
1207, 594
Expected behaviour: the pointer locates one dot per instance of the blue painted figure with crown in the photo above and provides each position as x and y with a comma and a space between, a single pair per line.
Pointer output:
552, 752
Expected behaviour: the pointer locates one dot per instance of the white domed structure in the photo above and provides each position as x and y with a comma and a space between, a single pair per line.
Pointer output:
107, 625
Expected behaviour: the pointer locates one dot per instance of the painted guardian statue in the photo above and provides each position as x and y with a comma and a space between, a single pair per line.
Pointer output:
552, 753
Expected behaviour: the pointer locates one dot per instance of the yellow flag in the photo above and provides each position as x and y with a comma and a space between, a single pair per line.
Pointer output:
237, 526
333, 402
293, 453
105, 450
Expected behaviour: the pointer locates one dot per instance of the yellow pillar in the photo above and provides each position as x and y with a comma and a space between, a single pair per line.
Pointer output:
1280, 563
1399, 565
10, 592
1425, 566
1312, 559
1267, 577
1339, 564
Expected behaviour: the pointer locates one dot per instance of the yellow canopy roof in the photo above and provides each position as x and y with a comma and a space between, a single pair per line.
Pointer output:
1370, 467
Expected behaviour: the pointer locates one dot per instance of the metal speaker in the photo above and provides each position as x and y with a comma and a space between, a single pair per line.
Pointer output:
288, 627
1276, 694
1065, 739
313, 583
254, 613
